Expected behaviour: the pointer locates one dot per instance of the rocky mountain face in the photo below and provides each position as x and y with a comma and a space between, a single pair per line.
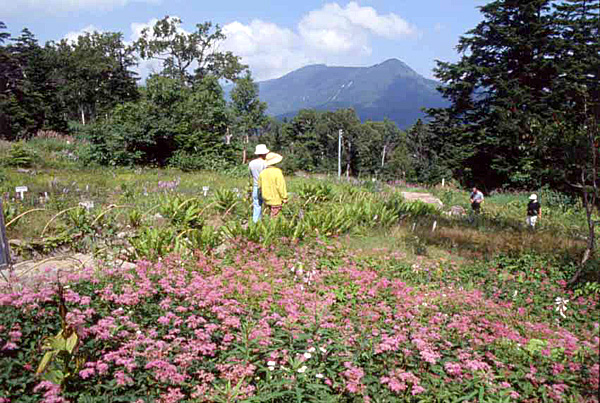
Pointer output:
387, 90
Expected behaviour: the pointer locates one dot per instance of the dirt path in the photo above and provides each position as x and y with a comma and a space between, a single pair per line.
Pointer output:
51, 267
424, 197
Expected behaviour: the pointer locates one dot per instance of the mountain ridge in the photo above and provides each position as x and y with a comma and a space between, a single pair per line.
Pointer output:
390, 89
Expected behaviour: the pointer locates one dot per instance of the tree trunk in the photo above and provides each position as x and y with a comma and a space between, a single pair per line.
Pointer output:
590, 195
383, 156
82, 115
245, 152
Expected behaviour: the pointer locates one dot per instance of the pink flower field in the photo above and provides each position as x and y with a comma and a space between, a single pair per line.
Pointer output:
302, 323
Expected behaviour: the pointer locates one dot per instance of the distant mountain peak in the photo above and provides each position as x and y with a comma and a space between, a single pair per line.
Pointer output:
390, 89
312, 67
392, 61
395, 64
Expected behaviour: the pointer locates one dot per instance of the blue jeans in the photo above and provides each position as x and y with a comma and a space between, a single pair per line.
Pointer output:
256, 204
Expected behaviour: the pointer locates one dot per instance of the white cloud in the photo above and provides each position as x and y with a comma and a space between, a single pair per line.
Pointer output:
62, 6
73, 35
348, 29
331, 34
268, 49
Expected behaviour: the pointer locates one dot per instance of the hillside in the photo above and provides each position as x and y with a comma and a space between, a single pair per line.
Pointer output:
387, 90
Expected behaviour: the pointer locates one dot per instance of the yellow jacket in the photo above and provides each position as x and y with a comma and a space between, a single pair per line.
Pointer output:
272, 186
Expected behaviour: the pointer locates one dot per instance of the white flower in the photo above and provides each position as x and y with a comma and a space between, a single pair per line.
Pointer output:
320, 376
271, 363
302, 369
311, 350
561, 306
321, 349
307, 355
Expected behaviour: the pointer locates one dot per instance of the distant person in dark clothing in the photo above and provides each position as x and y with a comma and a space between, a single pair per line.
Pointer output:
476, 200
534, 211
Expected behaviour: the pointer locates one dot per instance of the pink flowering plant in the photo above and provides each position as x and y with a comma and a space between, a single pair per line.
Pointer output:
307, 322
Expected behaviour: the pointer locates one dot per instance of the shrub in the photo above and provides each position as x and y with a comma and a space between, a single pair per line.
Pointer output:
307, 323
172, 124
20, 156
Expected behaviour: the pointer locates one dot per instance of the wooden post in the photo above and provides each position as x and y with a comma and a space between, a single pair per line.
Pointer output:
4, 249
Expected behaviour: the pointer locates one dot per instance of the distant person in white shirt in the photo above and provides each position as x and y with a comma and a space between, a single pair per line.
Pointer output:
476, 200
256, 166
534, 211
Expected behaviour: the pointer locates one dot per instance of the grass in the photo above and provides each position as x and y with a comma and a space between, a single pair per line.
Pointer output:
384, 298
499, 229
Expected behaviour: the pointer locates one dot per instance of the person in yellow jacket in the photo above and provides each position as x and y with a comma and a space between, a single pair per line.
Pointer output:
272, 184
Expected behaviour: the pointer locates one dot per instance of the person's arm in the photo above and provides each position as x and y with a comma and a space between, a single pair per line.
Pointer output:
282, 188
540, 212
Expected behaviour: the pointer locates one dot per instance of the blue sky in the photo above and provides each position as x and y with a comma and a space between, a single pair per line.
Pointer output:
273, 37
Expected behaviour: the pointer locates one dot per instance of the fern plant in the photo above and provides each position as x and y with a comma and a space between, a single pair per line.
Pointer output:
181, 213
20, 156
316, 193
225, 200
152, 243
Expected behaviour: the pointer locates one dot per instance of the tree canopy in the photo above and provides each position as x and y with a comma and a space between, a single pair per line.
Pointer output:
518, 87
180, 51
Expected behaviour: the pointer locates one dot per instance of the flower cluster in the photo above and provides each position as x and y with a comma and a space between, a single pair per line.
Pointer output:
229, 327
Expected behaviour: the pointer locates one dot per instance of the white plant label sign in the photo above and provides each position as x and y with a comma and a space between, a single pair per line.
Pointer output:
87, 204
21, 191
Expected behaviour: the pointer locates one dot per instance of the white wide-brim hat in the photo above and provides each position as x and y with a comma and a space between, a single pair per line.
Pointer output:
272, 159
261, 149
533, 197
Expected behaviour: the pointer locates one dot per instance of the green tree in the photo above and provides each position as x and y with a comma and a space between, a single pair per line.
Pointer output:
349, 123
429, 156
38, 88
248, 110
576, 93
303, 146
271, 134
180, 51
572, 150
377, 143
171, 124
499, 90
95, 74
24, 87
10, 75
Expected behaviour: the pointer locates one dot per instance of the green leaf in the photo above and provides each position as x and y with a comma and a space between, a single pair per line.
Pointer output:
45, 361
71, 342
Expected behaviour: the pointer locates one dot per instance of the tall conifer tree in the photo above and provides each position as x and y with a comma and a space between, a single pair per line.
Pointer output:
499, 90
